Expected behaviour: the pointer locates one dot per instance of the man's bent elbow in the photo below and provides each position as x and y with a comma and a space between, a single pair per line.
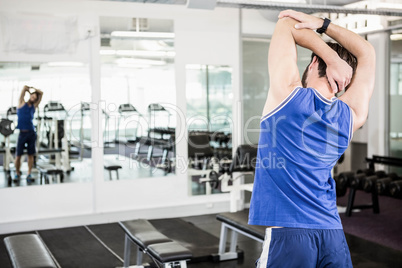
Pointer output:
368, 53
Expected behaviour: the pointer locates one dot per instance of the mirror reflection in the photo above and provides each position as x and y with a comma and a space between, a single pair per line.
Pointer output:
395, 100
138, 86
40, 141
210, 124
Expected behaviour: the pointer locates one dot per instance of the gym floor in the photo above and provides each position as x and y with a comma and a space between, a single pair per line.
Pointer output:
100, 246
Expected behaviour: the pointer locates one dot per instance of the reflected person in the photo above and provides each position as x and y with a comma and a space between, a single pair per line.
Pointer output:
27, 135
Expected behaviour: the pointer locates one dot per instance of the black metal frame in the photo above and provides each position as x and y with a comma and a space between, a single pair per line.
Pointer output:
376, 159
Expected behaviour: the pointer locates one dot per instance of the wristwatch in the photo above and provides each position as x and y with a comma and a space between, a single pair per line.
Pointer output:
324, 26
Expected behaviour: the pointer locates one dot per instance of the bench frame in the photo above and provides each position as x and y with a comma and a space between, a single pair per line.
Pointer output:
232, 254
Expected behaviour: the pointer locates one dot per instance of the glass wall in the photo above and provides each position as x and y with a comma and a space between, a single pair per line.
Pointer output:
56, 121
255, 86
209, 97
139, 93
256, 83
395, 123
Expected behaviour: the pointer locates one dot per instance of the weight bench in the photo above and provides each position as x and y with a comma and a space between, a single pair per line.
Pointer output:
28, 251
237, 223
50, 171
112, 167
150, 241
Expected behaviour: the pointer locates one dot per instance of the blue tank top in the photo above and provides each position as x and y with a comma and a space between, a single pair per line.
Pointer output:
25, 117
300, 142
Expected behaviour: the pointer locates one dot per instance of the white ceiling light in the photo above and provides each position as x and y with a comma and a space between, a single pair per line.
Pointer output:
135, 66
138, 53
396, 37
107, 52
139, 61
65, 64
134, 34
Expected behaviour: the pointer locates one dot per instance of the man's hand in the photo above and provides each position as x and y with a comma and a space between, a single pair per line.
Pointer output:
339, 74
307, 21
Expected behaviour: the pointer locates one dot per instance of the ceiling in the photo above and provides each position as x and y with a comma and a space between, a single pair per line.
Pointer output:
183, 2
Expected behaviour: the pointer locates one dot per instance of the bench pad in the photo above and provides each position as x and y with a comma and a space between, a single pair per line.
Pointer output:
169, 251
112, 167
28, 251
239, 220
143, 233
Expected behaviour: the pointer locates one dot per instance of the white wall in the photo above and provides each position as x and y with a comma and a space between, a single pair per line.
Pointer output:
254, 22
203, 37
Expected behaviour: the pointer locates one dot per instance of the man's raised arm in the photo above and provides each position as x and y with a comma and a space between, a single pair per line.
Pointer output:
21, 100
282, 61
362, 85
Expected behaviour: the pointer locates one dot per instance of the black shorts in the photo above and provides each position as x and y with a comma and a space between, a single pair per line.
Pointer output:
26, 137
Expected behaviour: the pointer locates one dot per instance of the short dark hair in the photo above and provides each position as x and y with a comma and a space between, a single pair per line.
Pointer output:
343, 53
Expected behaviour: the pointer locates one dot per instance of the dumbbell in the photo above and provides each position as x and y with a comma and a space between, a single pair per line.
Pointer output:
395, 189
358, 181
369, 182
367, 171
383, 184
342, 182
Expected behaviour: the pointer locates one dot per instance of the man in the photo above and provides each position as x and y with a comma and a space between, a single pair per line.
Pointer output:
25, 112
306, 129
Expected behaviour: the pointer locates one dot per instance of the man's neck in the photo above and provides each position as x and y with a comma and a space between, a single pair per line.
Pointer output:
322, 86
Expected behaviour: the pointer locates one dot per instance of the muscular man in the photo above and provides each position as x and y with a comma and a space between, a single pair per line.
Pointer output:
304, 131
25, 112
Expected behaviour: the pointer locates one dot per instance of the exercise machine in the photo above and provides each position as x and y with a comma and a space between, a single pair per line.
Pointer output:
159, 136
84, 143
127, 111
7, 128
52, 136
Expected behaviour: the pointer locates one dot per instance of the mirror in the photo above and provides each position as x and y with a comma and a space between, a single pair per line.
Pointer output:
138, 86
395, 126
56, 155
209, 122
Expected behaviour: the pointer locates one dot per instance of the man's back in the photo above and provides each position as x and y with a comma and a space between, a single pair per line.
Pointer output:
300, 142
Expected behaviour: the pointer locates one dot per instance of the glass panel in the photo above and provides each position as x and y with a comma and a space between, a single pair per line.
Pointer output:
395, 128
255, 86
57, 132
209, 119
256, 83
138, 86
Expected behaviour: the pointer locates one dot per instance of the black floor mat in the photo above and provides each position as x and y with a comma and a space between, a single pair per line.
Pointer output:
113, 236
77, 247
